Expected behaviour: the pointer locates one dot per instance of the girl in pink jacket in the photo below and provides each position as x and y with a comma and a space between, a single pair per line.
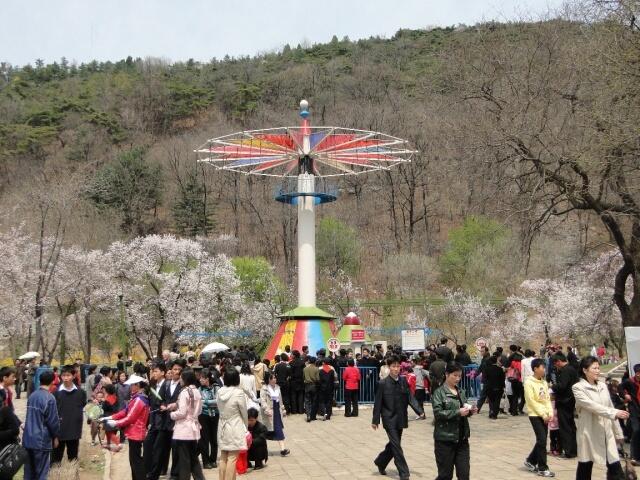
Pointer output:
186, 431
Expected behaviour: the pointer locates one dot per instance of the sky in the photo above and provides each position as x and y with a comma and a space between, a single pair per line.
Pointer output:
85, 30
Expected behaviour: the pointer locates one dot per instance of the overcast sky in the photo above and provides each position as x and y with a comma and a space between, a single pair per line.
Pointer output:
83, 30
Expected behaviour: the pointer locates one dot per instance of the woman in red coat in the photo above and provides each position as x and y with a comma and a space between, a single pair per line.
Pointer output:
351, 377
134, 421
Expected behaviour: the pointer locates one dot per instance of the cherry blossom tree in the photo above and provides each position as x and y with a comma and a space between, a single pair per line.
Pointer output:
18, 278
171, 286
462, 317
572, 307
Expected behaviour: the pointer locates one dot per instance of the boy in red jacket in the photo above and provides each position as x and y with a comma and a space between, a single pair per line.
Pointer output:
351, 377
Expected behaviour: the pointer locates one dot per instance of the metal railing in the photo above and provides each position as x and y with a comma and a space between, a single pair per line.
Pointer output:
470, 382
367, 389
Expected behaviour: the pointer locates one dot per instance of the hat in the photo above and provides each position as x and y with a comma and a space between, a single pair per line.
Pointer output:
133, 379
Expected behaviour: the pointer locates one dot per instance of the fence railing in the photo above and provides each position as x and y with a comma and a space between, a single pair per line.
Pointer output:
470, 382
367, 390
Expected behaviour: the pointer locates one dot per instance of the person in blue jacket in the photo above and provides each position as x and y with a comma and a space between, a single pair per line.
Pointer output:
41, 430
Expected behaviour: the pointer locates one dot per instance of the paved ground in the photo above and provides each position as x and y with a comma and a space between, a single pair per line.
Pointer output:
344, 448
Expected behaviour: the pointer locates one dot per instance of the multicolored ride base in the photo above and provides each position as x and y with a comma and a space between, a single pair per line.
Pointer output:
299, 330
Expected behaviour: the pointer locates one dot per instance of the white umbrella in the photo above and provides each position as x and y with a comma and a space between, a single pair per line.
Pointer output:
29, 356
215, 347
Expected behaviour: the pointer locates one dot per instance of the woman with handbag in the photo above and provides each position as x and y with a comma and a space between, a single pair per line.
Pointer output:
232, 428
598, 430
133, 419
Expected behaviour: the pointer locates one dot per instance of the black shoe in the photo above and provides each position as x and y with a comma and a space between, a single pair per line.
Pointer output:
207, 466
567, 457
259, 467
381, 470
308, 419
285, 452
354, 414
347, 415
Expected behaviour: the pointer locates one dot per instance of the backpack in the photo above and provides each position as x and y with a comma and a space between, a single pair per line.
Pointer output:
514, 372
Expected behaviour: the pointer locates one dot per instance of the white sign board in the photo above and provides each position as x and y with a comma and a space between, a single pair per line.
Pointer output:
633, 347
333, 345
413, 340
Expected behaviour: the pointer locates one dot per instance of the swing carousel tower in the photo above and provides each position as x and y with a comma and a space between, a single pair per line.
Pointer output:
305, 158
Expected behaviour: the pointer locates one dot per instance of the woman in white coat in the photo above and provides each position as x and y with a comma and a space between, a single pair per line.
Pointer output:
232, 427
598, 428
248, 386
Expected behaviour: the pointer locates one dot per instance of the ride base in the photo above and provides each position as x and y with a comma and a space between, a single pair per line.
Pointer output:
301, 326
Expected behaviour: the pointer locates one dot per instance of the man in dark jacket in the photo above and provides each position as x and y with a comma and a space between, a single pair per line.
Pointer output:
630, 387
282, 371
514, 375
392, 399
566, 377
41, 429
258, 452
70, 401
436, 372
444, 352
170, 392
481, 371
297, 383
494, 381
157, 443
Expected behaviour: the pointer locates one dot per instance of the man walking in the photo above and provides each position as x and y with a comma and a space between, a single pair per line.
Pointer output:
41, 430
392, 399
566, 377
536, 393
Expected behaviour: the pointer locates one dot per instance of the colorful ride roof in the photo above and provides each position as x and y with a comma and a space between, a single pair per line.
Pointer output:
313, 332
277, 151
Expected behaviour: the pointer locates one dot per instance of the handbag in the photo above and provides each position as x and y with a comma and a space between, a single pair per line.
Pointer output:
12, 458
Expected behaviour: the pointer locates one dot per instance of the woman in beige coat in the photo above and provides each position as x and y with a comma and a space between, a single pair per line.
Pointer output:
598, 429
232, 427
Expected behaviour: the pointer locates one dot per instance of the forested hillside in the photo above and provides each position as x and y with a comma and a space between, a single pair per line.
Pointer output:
527, 165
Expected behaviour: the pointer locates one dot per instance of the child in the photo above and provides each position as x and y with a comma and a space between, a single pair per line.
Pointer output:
258, 451
554, 429
93, 422
109, 407
538, 399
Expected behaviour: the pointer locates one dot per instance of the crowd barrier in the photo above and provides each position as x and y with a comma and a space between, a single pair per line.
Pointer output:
368, 383
470, 383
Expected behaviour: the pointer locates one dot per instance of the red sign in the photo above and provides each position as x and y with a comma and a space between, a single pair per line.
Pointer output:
357, 335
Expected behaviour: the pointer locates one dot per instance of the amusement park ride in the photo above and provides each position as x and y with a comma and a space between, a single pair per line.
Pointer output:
305, 155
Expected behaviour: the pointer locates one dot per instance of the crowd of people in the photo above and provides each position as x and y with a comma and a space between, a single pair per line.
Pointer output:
180, 415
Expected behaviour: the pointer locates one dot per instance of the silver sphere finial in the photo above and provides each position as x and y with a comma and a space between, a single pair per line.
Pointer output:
304, 105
